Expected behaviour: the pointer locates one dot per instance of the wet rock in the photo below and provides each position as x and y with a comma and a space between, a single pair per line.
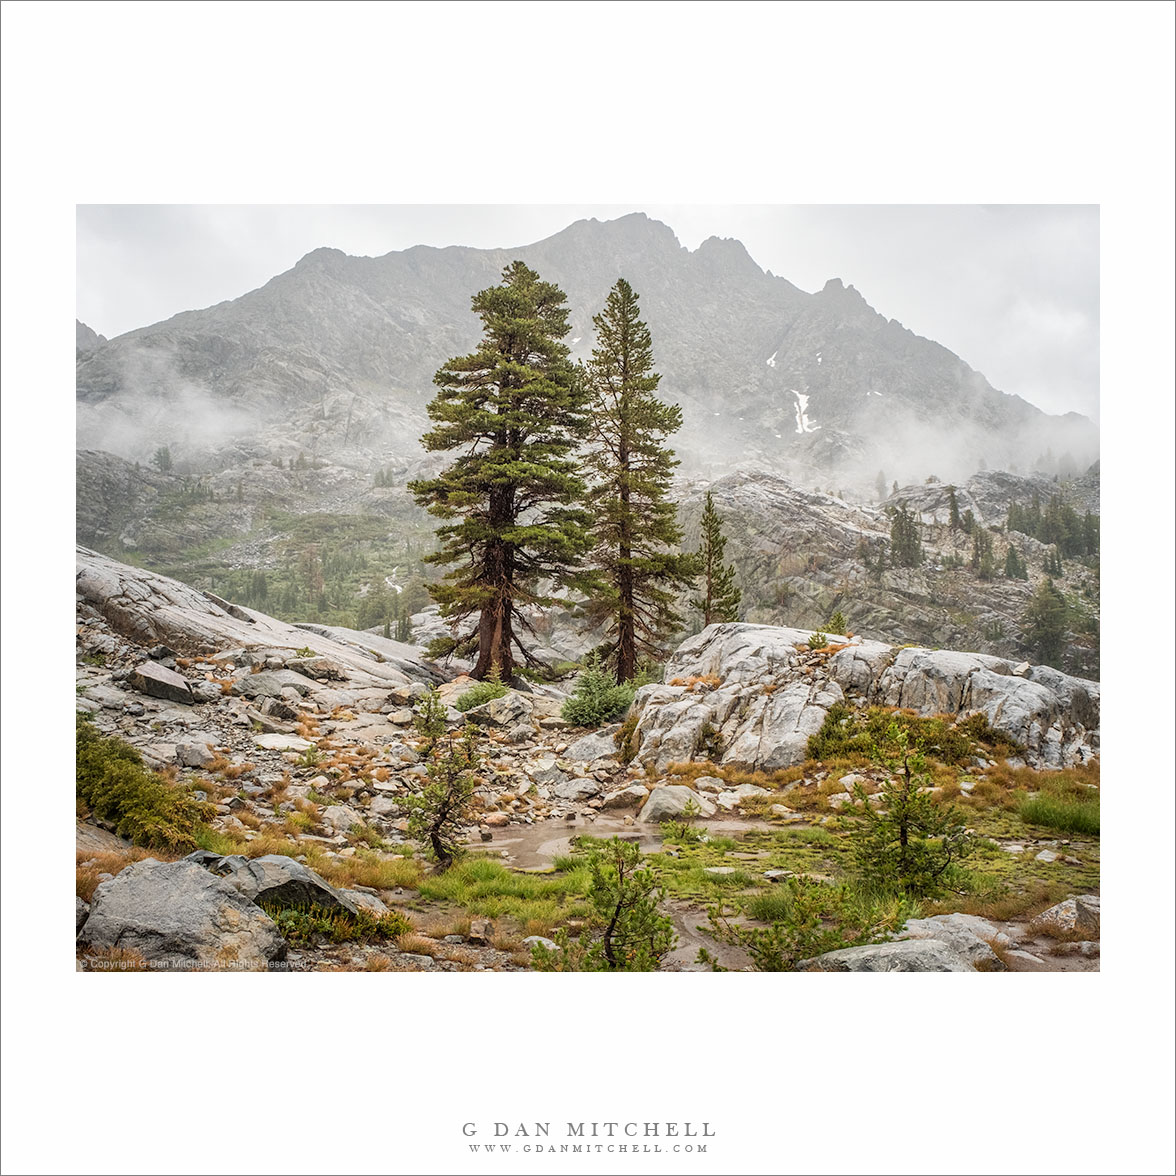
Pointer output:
278, 879
670, 800
629, 797
280, 742
1080, 913
598, 745
178, 914
910, 955
967, 935
160, 682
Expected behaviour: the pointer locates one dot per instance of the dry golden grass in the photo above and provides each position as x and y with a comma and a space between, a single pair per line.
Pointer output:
419, 944
217, 764
503, 940
236, 771
112, 862
366, 869
377, 963
113, 959
1003, 907
249, 819
696, 683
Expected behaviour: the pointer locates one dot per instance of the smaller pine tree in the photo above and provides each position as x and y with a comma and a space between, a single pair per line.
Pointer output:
1045, 623
953, 508
906, 541
720, 595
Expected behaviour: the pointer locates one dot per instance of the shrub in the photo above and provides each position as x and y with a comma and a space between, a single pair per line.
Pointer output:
625, 932
806, 919
492, 687
910, 842
838, 623
597, 698
847, 732
307, 924
818, 640
439, 813
144, 807
429, 720
625, 739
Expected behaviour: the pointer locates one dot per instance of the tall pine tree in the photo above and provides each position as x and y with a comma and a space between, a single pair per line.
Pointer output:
639, 569
515, 409
720, 595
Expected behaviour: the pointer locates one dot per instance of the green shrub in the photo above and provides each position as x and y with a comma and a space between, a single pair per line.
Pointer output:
146, 808
492, 687
837, 623
818, 640
625, 739
847, 732
597, 698
305, 925
625, 932
1062, 813
439, 813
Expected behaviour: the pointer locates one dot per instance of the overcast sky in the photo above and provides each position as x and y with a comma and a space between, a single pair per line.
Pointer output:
1012, 289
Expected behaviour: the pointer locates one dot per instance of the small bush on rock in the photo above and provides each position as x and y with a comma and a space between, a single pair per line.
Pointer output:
482, 692
597, 698
144, 807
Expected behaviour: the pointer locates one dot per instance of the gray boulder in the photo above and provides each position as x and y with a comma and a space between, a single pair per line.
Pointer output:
670, 801
177, 914
598, 745
512, 708
159, 682
967, 935
910, 955
82, 913
278, 879
576, 789
1080, 913
629, 797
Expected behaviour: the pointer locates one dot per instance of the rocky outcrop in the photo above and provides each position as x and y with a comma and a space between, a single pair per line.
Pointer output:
152, 610
910, 955
275, 878
752, 695
178, 915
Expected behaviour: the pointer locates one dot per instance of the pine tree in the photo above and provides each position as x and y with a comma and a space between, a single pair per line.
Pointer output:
639, 569
953, 507
982, 563
1015, 566
720, 596
1045, 623
906, 542
516, 410
880, 486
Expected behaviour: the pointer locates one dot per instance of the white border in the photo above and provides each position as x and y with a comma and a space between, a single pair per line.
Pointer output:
705, 103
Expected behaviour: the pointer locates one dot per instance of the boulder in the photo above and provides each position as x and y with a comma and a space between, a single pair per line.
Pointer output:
160, 682
271, 683
82, 914
629, 797
364, 901
910, 955
507, 711
277, 879
598, 745
278, 742
193, 755
541, 941
576, 789
1080, 913
734, 797
177, 914
967, 935
341, 818
670, 800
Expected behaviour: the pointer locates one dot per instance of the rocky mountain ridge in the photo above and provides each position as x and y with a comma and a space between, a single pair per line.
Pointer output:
335, 358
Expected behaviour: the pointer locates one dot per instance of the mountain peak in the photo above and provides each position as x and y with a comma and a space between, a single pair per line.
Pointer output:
728, 252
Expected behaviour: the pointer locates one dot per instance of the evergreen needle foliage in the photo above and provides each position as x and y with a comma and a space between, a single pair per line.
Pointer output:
720, 595
1045, 623
625, 931
906, 540
512, 499
439, 814
908, 841
635, 532
597, 698
114, 784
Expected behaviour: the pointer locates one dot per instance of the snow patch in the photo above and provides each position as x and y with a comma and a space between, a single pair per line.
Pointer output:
803, 424
772, 358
